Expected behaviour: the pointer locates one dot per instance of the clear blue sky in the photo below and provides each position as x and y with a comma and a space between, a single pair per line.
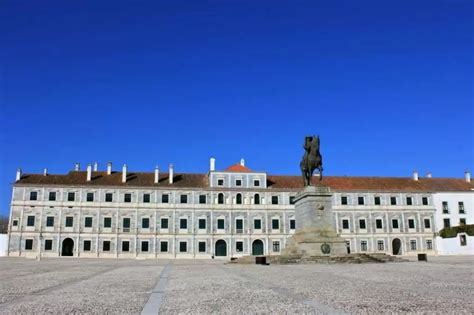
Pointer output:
387, 85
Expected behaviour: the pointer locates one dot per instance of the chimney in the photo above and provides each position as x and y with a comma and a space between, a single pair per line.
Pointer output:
124, 173
89, 172
212, 164
170, 175
77, 167
157, 174
96, 167
45, 172
429, 175
18, 174
109, 168
242, 162
415, 175
467, 176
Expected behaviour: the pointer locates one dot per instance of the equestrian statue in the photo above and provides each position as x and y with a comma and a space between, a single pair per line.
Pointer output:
312, 160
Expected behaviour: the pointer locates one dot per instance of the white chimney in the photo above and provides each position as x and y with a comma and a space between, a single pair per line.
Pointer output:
467, 176
18, 174
124, 173
242, 162
157, 174
96, 167
429, 175
170, 175
89, 172
212, 164
109, 168
45, 172
77, 167
415, 175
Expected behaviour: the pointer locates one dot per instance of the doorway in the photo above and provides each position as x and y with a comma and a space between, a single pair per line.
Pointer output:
257, 248
396, 246
68, 247
221, 248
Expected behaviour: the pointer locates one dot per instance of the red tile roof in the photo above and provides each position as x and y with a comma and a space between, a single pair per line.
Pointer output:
238, 168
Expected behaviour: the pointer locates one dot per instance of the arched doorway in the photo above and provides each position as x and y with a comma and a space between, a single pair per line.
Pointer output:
396, 246
221, 248
257, 248
68, 247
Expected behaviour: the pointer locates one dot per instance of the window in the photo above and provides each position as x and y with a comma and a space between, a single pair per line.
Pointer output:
183, 223
275, 224
413, 244
15, 223
183, 198
126, 224
220, 198
429, 244
145, 223
424, 201
276, 247
256, 199
125, 246
144, 247
90, 197
427, 224
87, 245
202, 224
292, 224
393, 201
52, 196
395, 223
446, 223
220, 182
344, 200
463, 240
239, 225
363, 246
220, 224
409, 201
183, 247
274, 200
48, 245
164, 223
380, 245
109, 197
411, 223
238, 182
106, 246
28, 244
461, 207
127, 198
445, 207
345, 224
71, 196
202, 247
30, 221
239, 246
362, 224
146, 198
462, 221
238, 199
256, 183
49, 221
88, 222
33, 195
377, 200
164, 247
69, 221
360, 200
165, 198
378, 224
257, 224
292, 200
107, 222
202, 199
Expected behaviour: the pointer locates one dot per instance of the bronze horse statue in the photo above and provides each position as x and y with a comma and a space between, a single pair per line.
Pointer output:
312, 160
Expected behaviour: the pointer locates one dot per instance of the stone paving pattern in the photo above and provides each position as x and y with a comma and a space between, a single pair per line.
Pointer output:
57, 286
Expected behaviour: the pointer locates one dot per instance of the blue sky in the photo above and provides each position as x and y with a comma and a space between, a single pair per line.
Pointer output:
387, 85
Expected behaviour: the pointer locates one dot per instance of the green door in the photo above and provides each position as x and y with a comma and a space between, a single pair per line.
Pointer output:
257, 248
221, 248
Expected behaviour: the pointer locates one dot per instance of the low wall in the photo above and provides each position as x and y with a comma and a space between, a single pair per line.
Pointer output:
3, 244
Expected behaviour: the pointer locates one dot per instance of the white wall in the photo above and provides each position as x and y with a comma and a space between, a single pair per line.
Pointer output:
451, 246
3, 244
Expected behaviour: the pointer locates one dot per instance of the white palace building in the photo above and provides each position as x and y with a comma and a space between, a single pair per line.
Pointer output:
226, 213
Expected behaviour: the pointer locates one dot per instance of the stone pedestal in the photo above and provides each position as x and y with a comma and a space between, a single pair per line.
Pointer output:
315, 233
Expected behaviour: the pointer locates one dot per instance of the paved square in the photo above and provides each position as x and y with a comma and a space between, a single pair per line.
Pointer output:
443, 285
